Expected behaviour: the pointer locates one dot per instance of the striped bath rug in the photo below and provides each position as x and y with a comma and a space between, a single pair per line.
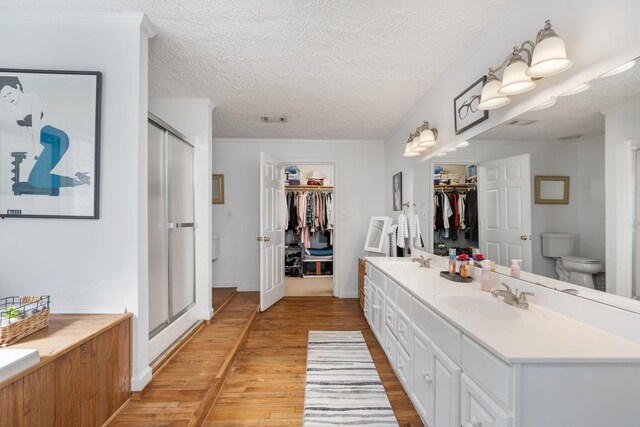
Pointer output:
343, 386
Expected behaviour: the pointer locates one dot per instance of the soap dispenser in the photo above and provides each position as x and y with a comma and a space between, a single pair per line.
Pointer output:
515, 268
485, 279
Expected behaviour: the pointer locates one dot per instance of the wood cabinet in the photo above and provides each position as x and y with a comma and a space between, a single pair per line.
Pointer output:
82, 383
361, 273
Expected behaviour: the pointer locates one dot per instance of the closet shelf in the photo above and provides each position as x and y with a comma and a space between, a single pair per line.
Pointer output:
308, 187
471, 184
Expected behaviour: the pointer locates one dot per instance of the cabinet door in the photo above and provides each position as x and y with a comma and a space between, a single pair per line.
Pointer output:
380, 315
422, 393
390, 315
403, 367
447, 391
480, 410
390, 346
404, 330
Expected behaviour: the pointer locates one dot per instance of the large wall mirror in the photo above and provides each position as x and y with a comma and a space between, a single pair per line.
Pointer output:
590, 138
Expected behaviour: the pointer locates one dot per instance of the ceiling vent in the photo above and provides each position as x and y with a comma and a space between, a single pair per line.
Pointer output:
520, 122
273, 119
570, 137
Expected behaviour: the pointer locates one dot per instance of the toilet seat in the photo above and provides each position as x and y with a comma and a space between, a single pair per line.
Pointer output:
580, 260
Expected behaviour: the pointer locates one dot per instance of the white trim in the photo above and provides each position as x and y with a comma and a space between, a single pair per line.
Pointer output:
348, 295
93, 18
224, 285
138, 382
195, 101
172, 332
296, 140
204, 315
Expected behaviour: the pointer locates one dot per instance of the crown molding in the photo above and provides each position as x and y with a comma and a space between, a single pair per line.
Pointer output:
296, 140
138, 19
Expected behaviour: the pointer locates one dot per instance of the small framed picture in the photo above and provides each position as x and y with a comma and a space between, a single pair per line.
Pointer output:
465, 107
217, 189
50, 150
397, 191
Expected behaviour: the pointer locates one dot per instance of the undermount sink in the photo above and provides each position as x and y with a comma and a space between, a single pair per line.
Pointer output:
14, 361
481, 307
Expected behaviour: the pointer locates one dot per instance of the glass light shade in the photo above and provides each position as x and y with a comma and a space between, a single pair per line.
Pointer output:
549, 58
490, 99
408, 152
416, 147
515, 79
440, 154
452, 149
427, 138
463, 144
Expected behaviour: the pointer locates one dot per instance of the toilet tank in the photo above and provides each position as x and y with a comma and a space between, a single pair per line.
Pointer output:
555, 245
215, 247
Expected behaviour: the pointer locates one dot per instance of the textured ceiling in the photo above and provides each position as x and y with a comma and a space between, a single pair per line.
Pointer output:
337, 69
576, 114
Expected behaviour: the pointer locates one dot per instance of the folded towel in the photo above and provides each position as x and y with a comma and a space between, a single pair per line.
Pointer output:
393, 243
417, 233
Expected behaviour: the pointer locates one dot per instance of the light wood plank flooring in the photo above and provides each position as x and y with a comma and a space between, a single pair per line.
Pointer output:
183, 391
266, 386
221, 296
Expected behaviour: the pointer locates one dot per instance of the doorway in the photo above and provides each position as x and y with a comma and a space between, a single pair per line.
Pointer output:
310, 229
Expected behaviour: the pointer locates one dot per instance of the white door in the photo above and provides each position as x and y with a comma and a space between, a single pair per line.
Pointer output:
271, 239
504, 210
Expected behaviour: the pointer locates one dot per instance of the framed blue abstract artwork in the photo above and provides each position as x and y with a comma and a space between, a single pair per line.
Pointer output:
49, 144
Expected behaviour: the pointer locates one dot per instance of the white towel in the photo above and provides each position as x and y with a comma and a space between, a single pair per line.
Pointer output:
403, 230
393, 243
417, 233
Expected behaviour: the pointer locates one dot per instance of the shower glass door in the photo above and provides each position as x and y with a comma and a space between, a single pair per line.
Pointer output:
636, 224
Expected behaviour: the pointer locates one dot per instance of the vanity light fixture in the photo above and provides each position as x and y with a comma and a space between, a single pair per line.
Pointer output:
577, 89
415, 144
440, 155
427, 135
408, 148
620, 69
463, 144
452, 149
546, 57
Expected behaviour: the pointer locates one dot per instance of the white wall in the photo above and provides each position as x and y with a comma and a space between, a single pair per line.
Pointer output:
89, 265
598, 39
582, 161
359, 192
192, 118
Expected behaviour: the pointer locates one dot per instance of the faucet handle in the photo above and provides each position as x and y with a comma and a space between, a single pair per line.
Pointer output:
523, 296
507, 287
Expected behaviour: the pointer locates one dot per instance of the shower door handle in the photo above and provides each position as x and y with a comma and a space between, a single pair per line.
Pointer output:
181, 225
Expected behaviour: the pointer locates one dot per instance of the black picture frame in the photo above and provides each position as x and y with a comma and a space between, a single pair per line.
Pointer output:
396, 188
70, 122
464, 103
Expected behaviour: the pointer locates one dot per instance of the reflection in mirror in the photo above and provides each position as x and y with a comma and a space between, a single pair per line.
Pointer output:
590, 138
377, 233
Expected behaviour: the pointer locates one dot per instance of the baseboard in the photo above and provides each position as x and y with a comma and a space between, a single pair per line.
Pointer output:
138, 382
203, 315
348, 295
224, 285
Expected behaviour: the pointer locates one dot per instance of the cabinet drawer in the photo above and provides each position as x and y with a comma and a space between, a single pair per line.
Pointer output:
389, 346
390, 315
478, 409
403, 368
404, 300
447, 337
390, 289
489, 371
376, 277
404, 331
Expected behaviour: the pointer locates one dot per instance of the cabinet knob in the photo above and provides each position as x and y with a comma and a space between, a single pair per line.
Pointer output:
427, 378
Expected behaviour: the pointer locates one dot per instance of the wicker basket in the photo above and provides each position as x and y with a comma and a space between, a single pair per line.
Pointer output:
22, 316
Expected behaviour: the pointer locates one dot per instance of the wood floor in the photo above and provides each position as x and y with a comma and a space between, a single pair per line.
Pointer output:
266, 386
183, 391
221, 296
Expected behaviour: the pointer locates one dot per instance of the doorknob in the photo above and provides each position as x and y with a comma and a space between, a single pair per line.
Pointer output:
260, 239
267, 238
525, 237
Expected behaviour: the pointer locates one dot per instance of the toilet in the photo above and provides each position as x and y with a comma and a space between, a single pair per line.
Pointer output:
570, 268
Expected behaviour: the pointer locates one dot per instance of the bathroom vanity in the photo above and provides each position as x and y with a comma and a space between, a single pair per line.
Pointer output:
468, 359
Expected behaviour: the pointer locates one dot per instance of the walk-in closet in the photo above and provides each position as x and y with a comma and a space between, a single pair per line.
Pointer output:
455, 207
310, 229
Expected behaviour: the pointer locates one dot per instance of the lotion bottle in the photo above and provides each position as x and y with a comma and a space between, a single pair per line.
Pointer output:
485, 278
515, 268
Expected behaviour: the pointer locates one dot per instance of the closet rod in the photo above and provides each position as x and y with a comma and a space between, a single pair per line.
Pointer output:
307, 188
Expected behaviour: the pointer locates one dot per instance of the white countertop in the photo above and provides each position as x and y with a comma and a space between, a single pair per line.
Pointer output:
537, 335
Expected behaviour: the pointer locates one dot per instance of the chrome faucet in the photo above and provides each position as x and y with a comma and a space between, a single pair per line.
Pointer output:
513, 298
424, 262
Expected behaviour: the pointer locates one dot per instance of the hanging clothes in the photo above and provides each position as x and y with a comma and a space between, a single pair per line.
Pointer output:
472, 214
310, 212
